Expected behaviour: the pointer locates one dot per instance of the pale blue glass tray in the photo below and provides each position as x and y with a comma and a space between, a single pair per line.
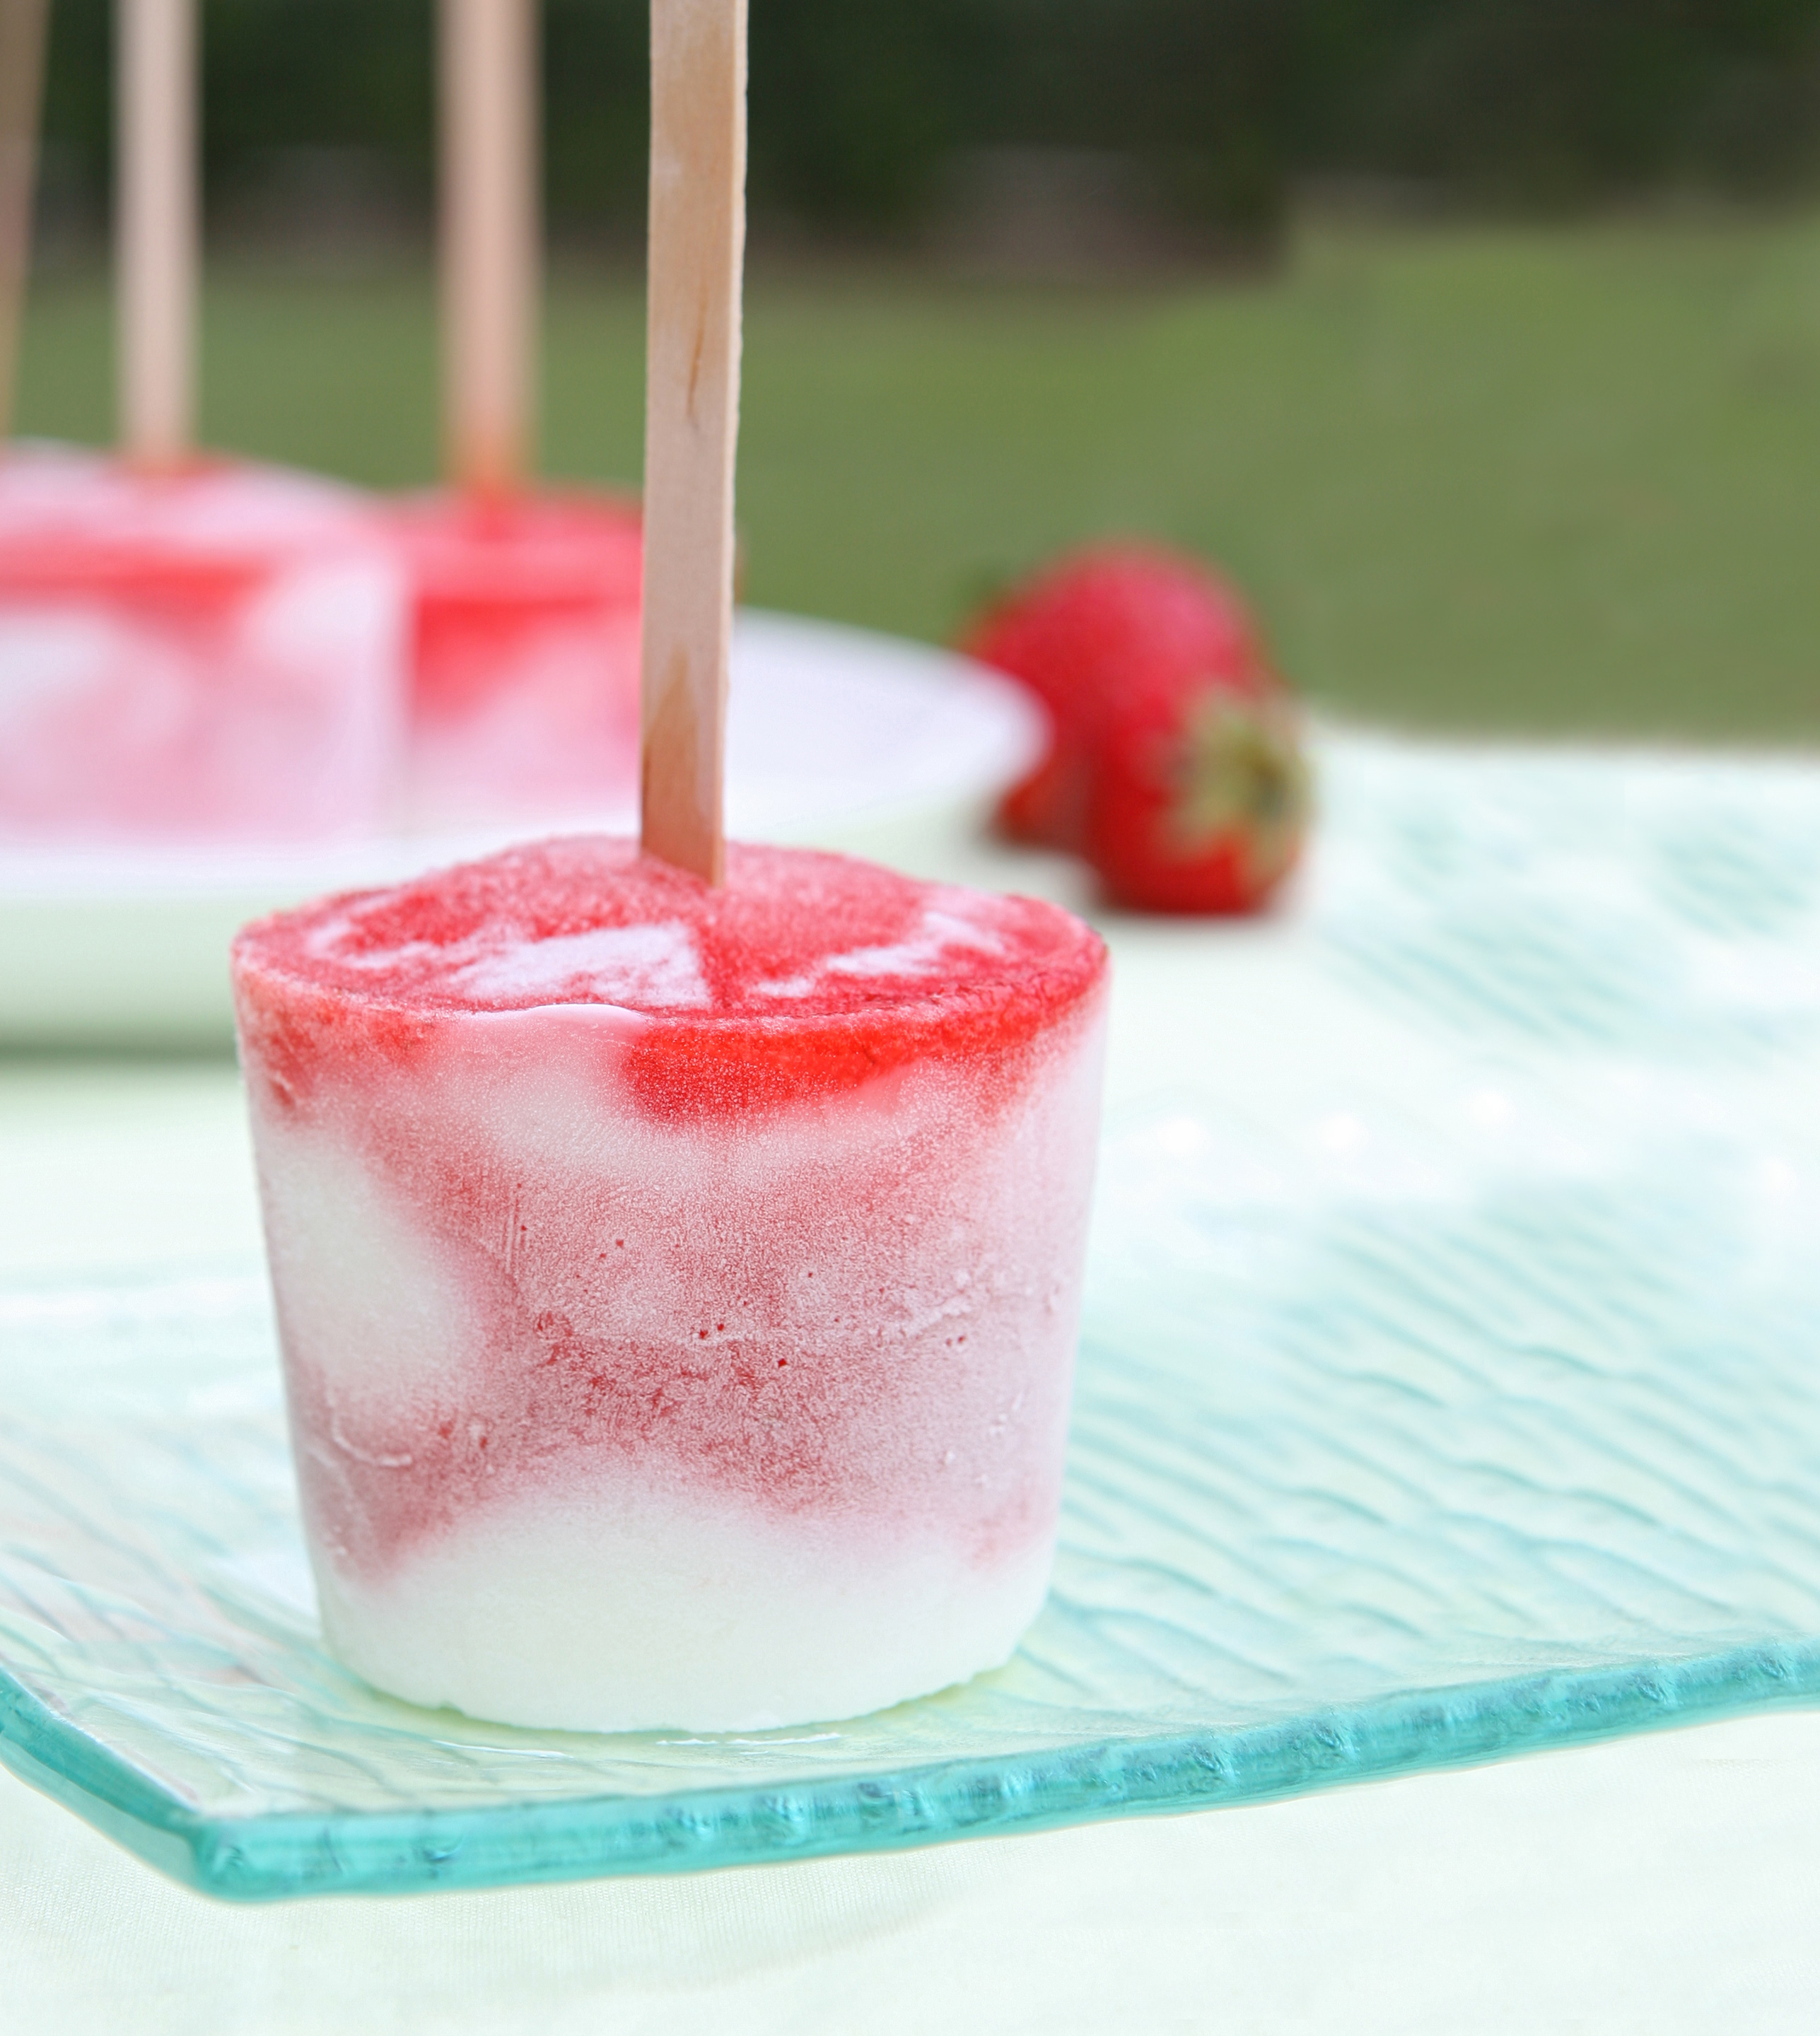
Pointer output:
1450, 1387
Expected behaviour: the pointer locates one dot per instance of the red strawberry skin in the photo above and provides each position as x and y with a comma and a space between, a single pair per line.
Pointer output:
1198, 804
1082, 630
1100, 627
1174, 764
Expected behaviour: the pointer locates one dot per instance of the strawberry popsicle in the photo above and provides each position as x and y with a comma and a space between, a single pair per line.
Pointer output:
677, 1285
211, 652
524, 686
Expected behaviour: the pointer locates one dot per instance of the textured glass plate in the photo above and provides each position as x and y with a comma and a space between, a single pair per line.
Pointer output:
1450, 1386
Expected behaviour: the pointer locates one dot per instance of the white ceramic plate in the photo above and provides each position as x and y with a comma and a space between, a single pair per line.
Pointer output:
829, 727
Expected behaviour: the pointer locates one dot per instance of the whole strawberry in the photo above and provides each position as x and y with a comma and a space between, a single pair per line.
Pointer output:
1175, 763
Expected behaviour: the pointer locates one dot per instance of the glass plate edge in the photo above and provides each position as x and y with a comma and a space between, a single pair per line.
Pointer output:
286, 1856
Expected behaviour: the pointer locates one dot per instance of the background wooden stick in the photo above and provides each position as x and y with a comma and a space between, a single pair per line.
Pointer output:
21, 88
692, 420
491, 231
156, 229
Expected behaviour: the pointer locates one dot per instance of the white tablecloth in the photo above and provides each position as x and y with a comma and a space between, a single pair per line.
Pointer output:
1665, 1883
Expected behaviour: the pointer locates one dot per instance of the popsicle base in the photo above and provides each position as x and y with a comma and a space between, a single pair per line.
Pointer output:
678, 1304
632, 1608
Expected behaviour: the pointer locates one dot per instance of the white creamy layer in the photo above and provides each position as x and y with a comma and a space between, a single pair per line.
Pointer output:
632, 1607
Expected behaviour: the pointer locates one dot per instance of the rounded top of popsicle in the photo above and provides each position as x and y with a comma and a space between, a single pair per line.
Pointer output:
528, 549
793, 933
803, 976
77, 519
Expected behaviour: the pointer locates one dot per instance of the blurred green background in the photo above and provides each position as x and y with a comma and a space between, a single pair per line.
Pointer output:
865, 117
1480, 342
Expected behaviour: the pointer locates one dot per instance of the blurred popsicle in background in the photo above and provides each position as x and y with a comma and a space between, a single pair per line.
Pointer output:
190, 648
525, 685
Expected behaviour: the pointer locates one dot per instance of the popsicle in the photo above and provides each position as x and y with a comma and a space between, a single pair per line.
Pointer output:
677, 1249
677, 1284
189, 648
525, 687
213, 653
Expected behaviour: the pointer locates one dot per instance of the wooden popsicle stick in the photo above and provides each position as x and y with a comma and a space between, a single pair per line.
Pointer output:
491, 231
692, 420
22, 24
156, 229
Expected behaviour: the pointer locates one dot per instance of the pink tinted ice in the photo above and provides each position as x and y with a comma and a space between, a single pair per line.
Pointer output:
210, 654
524, 660
677, 1287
